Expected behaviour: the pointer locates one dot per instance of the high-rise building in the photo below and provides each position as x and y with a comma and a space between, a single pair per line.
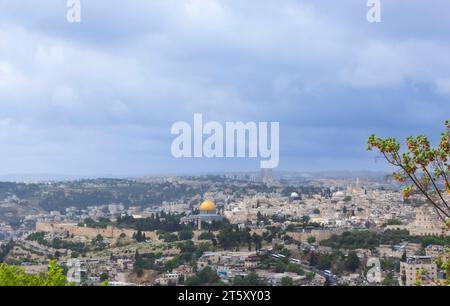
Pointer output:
418, 269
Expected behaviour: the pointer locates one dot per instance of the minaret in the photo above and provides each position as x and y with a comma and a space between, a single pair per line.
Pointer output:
199, 223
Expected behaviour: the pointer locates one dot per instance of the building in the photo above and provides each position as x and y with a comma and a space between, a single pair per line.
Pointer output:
294, 197
418, 269
437, 251
207, 212
252, 262
426, 224
169, 279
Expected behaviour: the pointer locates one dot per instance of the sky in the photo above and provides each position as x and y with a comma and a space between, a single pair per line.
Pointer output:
99, 97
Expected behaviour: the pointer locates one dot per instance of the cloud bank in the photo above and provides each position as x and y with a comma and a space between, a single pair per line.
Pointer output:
100, 96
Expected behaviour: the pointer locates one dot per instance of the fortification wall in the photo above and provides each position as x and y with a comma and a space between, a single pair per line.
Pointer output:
109, 232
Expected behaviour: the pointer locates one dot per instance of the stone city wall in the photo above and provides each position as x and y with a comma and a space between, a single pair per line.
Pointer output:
109, 232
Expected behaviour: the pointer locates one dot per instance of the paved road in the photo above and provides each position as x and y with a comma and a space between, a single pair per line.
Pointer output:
307, 268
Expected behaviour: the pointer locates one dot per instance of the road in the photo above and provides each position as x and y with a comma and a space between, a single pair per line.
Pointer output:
307, 268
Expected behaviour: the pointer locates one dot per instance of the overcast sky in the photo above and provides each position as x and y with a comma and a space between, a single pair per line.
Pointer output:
100, 97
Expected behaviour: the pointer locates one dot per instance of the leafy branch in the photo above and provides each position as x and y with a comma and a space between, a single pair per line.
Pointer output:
425, 167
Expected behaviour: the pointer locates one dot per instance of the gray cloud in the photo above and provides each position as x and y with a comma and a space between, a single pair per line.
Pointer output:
100, 96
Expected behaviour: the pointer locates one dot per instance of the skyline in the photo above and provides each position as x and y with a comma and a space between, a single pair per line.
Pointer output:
101, 96
57, 177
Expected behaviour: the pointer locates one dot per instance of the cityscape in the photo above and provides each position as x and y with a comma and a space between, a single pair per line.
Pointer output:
244, 229
225, 150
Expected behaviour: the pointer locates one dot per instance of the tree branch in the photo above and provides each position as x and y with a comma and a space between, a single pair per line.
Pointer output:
425, 193
435, 187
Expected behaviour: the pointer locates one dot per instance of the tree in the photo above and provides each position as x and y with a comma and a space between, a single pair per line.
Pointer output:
444, 265
98, 240
257, 240
313, 259
285, 252
310, 276
5, 249
325, 261
305, 219
280, 267
138, 236
423, 167
206, 236
185, 235
403, 259
250, 279
352, 262
393, 222
295, 268
287, 281
390, 280
104, 276
311, 239
204, 277
16, 276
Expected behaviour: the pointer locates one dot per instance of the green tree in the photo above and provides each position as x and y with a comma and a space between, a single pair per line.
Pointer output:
311, 239
313, 259
280, 267
390, 280
424, 167
104, 276
325, 261
139, 237
185, 235
250, 279
257, 240
287, 281
444, 265
206, 236
352, 262
310, 276
295, 268
404, 257
393, 222
16, 276
204, 277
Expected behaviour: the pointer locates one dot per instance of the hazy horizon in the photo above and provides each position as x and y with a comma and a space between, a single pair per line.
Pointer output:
42, 177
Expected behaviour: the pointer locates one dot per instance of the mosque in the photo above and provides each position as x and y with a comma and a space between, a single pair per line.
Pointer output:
207, 212
294, 197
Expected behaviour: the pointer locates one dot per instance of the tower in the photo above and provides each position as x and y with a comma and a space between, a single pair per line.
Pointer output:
199, 224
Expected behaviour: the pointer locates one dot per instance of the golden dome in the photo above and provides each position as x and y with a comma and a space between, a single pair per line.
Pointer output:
207, 206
